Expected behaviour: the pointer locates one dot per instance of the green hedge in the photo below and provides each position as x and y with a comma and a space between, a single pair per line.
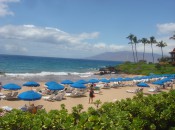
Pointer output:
152, 112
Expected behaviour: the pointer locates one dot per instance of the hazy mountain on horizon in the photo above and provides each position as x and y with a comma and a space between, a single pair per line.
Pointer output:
123, 56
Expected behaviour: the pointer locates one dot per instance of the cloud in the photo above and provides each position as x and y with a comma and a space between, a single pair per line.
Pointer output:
24, 38
45, 35
4, 8
166, 28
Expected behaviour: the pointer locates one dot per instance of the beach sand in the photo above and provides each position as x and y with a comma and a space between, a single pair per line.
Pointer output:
107, 95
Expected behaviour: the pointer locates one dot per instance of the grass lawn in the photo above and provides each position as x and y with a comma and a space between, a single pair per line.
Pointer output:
145, 69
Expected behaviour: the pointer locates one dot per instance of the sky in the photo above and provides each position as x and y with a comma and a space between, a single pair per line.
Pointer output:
83, 28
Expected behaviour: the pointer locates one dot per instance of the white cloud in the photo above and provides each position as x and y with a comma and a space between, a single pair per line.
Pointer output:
43, 39
100, 45
45, 35
4, 8
166, 28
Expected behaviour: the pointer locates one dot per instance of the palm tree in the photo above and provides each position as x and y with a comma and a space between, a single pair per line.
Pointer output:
130, 37
135, 43
144, 41
173, 37
152, 41
161, 44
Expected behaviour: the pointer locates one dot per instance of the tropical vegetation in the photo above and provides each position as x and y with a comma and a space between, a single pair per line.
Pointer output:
134, 41
173, 37
152, 112
142, 68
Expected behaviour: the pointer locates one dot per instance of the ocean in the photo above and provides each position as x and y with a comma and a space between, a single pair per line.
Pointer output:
13, 65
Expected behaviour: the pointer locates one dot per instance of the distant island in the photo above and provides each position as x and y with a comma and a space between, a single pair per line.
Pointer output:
123, 56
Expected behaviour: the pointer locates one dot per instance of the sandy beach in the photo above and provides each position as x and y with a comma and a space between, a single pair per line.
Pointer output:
107, 95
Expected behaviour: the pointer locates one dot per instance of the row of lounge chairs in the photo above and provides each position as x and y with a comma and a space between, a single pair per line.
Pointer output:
137, 90
53, 97
155, 89
9, 96
32, 109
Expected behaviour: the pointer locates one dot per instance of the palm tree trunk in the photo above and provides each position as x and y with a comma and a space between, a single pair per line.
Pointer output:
136, 53
133, 53
152, 52
144, 53
162, 52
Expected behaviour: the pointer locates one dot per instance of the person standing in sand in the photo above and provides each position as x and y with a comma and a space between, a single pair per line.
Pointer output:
91, 95
0, 86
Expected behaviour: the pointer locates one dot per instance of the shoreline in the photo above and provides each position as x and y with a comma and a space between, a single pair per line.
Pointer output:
20, 79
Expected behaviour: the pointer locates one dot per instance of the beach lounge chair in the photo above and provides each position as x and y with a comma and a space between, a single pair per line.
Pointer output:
1, 94
49, 98
63, 94
70, 89
6, 95
23, 108
133, 91
106, 86
39, 107
7, 108
11, 97
77, 93
58, 97
156, 89
97, 89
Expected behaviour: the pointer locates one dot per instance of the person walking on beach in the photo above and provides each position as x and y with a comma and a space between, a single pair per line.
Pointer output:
91, 95
0, 86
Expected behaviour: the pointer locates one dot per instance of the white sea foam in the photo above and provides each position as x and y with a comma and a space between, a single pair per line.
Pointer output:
86, 74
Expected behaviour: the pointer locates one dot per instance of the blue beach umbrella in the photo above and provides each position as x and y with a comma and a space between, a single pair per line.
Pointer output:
112, 79
93, 81
55, 87
158, 82
128, 79
50, 83
104, 80
81, 81
11, 86
119, 79
167, 80
142, 84
31, 84
67, 82
29, 95
78, 85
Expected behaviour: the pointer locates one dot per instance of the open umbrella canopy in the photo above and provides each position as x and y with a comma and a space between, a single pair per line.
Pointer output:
119, 79
112, 79
29, 95
55, 87
78, 85
81, 81
93, 81
128, 79
31, 84
67, 82
142, 84
104, 80
167, 80
11, 86
158, 82
50, 83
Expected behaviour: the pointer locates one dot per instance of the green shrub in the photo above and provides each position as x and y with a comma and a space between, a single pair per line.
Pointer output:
152, 112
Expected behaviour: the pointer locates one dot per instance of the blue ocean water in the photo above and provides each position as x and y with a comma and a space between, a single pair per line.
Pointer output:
27, 65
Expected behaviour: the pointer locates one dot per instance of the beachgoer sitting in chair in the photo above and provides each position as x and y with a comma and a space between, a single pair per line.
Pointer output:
32, 109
